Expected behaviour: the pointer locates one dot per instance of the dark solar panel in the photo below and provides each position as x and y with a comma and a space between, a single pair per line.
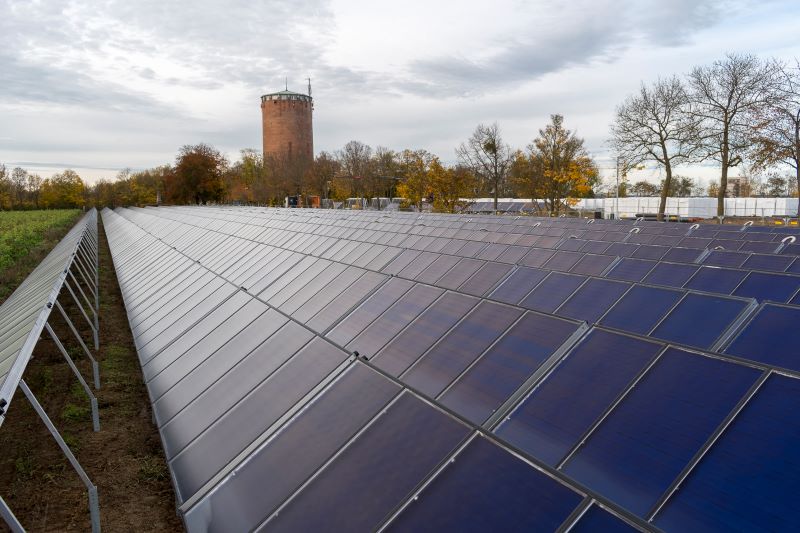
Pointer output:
772, 337
746, 481
699, 320
506, 365
352, 493
487, 489
549, 422
636, 452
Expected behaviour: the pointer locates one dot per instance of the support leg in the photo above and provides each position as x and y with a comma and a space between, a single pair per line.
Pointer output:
89, 393
94, 509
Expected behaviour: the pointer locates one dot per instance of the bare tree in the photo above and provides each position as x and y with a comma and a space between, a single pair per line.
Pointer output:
355, 161
776, 133
724, 97
19, 181
488, 157
655, 125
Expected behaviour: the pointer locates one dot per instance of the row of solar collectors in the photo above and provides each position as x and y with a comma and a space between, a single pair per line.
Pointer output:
508, 247
241, 385
526, 224
505, 220
20, 311
739, 281
497, 351
668, 314
673, 235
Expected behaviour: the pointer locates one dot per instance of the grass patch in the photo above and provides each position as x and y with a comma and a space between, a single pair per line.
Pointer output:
75, 413
25, 239
152, 468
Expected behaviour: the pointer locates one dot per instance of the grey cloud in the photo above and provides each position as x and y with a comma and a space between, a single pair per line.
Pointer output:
587, 31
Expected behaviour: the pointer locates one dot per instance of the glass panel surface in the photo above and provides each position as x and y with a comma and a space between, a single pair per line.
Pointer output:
293, 455
518, 284
407, 347
485, 278
460, 273
176, 360
549, 422
488, 489
290, 338
592, 265
343, 303
562, 261
773, 287
376, 304
437, 269
376, 472
240, 425
681, 255
631, 269
715, 313
506, 366
776, 263
460, 347
647, 440
398, 316
641, 309
771, 337
552, 292
593, 299
748, 480
537, 257
650, 252
671, 274
725, 259
713, 279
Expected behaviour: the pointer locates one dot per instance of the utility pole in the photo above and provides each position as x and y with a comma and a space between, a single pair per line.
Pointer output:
616, 203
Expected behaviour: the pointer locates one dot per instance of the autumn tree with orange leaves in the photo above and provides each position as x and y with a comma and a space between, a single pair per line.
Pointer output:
556, 168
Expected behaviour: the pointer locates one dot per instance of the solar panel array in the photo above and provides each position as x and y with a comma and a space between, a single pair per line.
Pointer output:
24, 314
362, 370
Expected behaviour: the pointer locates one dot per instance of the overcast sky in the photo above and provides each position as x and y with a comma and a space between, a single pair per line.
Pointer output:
102, 86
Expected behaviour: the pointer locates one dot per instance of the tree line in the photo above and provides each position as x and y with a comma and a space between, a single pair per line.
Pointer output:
20, 189
555, 166
740, 110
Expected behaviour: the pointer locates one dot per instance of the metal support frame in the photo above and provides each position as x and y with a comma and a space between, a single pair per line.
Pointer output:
86, 388
95, 366
91, 488
84, 259
83, 312
11, 520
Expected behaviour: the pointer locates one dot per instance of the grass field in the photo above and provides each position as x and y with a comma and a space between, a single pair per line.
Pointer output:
25, 238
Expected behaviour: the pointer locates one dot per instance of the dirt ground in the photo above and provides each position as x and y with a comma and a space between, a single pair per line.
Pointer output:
124, 459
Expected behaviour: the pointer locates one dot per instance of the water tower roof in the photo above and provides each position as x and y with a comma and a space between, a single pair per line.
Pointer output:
286, 95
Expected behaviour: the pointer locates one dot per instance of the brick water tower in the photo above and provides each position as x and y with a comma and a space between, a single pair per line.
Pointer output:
286, 125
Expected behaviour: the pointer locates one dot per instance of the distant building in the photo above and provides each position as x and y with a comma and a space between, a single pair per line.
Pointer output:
287, 125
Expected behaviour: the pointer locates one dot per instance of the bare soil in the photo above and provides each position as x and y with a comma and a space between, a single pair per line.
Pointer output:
124, 459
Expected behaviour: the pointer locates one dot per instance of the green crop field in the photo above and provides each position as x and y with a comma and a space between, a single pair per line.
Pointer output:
25, 238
